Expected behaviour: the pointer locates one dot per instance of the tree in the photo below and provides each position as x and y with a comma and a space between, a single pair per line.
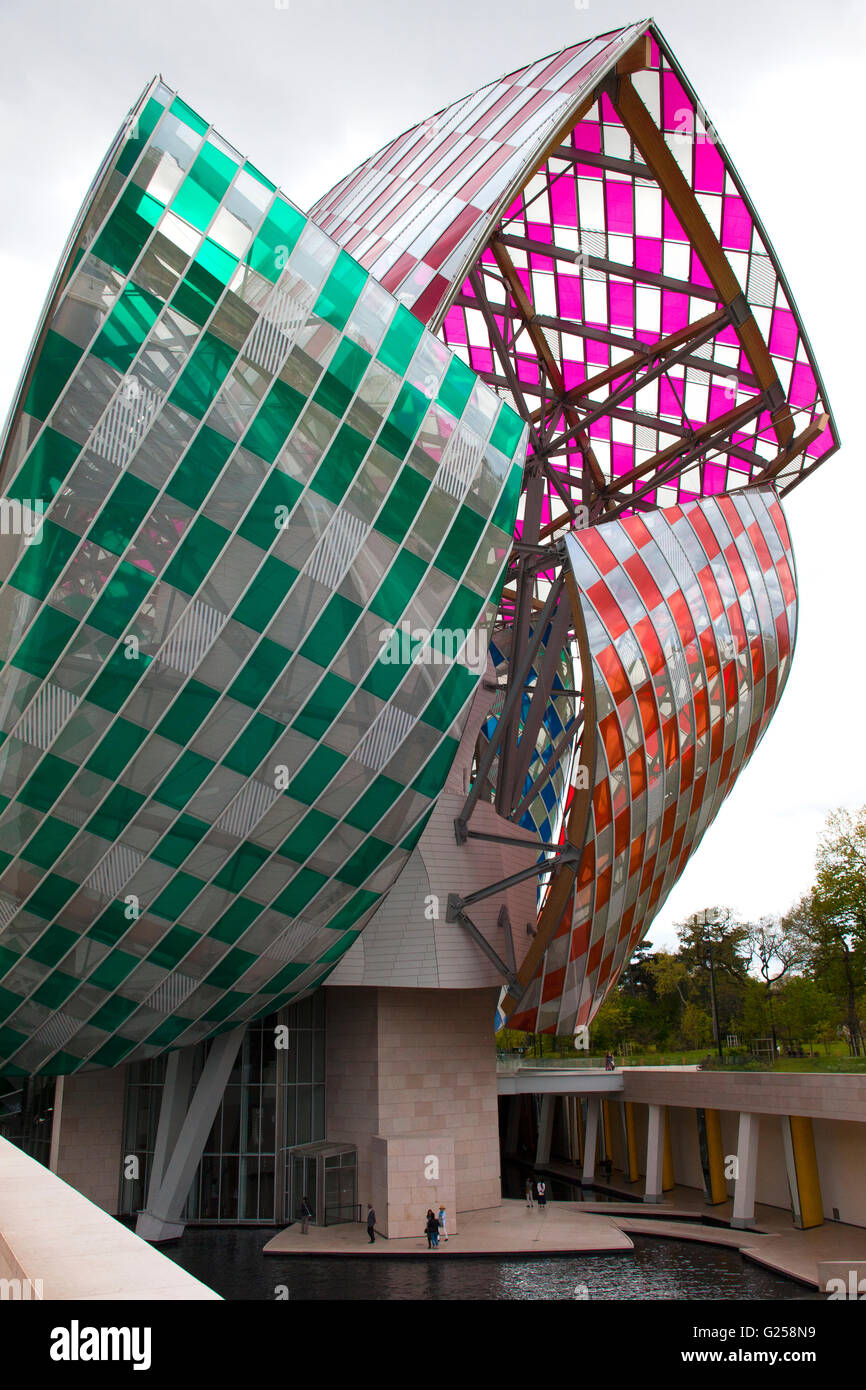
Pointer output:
805, 1011
714, 942
774, 948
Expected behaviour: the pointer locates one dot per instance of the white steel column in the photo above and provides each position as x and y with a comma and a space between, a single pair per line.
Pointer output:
747, 1170
655, 1148
590, 1138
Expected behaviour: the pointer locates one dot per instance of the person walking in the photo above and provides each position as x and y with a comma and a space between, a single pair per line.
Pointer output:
432, 1230
529, 1201
443, 1228
609, 1064
306, 1215
371, 1224
541, 1189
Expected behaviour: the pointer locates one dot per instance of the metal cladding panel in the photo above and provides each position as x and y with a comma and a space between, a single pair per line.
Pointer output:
261, 517
689, 615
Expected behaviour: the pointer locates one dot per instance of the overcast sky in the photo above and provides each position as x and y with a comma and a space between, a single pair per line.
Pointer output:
308, 88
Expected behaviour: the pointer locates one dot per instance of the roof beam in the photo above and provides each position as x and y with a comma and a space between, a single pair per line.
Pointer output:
652, 145
606, 267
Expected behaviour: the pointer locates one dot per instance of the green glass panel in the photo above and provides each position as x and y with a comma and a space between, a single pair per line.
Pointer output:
116, 682
230, 968
259, 526
260, 178
144, 126
254, 744
231, 1000
459, 545
44, 642
457, 386
126, 327
115, 813
331, 630
196, 554
118, 746
301, 891
218, 262
259, 672
197, 294
111, 1053
112, 924
113, 970
461, 612
353, 909
49, 842
165, 1034
431, 778
446, 704
342, 378
315, 775
306, 837
266, 594
401, 340
41, 565
398, 586
180, 840
46, 782
384, 676
173, 947
235, 920
9, 1002
276, 239
125, 233
505, 513
205, 371
283, 977
507, 431
188, 116
55, 989
406, 496
340, 947
339, 466
341, 291
323, 706
188, 713
7, 960
204, 187
367, 857
404, 420
176, 896
120, 517
54, 366
114, 1013
375, 803
52, 945
184, 779
121, 599
47, 465
200, 467
51, 895
274, 422
239, 869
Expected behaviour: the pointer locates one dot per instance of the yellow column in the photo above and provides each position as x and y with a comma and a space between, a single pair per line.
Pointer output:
713, 1130
631, 1141
668, 1155
806, 1167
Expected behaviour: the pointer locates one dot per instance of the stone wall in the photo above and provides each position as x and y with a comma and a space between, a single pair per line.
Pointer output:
87, 1151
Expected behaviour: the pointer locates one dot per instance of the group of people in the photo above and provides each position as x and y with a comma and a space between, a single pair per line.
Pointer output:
433, 1229
435, 1225
540, 1192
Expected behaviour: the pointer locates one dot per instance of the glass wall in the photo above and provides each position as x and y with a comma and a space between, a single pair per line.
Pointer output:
274, 1100
27, 1112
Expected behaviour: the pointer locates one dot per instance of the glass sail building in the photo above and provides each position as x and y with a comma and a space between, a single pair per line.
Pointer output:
338, 548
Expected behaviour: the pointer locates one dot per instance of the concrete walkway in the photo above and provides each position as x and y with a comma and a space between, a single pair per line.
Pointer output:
510, 1229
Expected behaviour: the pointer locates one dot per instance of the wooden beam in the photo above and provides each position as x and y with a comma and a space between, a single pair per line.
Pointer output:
728, 421
638, 58
651, 143
798, 445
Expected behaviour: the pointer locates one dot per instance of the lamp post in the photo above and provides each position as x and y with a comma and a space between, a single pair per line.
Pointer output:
717, 1037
